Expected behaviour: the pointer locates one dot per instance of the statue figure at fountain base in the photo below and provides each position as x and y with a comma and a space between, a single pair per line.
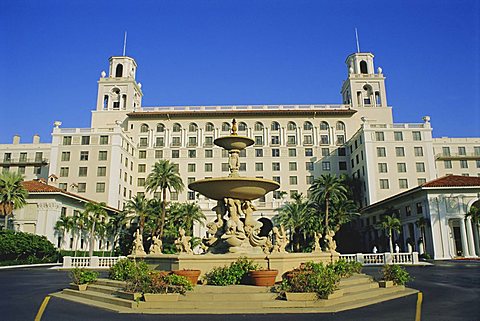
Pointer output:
331, 245
280, 239
183, 242
156, 247
138, 249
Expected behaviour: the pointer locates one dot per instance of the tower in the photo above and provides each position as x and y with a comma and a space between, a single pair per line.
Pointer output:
119, 91
363, 87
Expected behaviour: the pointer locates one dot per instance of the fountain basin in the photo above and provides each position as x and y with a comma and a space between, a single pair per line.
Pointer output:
233, 142
242, 188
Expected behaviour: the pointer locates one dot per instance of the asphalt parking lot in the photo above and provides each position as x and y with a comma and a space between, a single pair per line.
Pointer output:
451, 292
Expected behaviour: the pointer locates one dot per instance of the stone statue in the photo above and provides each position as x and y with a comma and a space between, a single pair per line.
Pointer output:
156, 247
183, 242
331, 244
233, 162
316, 245
138, 244
279, 239
234, 127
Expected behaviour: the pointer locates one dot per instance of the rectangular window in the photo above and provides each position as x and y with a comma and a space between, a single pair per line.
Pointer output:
446, 151
84, 155
379, 136
175, 153
476, 150
101, 171
259, 140
64, 171
208, 141
307, 140
37, 170
82, 171
275, 152
103, 140
7, 157
143, 141
398, 136
292, 152
381, 152
62, 186
401, 167
309, 180
419, 208
325, 151
258, 152
291, 140
65, 156
342, 151
176, 141
309, 166
418, 151
463, 164
408, 210
462, 151
340, 139
276, 179
102, 155
384, 184
100, 188
191, 195
191, 168
141, 181
192, 141
258, 167
225, 167
243, 167
417, 136
82, 187
447, 164
174, 195
192, 153
399, 151
158, 154
403, 183
382, 168
38, 156
275, 140
421, 181
478, 163
142, 154
85, 140
67, 140
142, 168
208, 153
420, 167
21, 170
308, 152
275, 167
324, 140
23, 157
159, 142
292, 166
325, 166
293, 180
342, 166
208, 167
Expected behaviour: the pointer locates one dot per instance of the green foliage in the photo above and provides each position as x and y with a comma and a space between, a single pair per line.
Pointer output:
346, 269
311, 277
425, 256
232, 274
20, 248
126, 269
158, 282
395, 273
83, 276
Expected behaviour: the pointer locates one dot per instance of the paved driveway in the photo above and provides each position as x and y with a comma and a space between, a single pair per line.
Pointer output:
451, 292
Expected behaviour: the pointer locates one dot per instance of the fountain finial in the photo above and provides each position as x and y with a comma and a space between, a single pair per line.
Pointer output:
234, 127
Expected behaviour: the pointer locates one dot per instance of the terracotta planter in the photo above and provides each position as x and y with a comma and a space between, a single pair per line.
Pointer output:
191, 275
263, 277
134, 296
79, 287
308, 296
385, 284
160, 297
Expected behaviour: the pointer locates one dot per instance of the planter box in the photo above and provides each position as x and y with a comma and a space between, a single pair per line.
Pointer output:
134, 296
161, 297
385, 284
263, 277
191, 275
336, 294
79, 287
308, 296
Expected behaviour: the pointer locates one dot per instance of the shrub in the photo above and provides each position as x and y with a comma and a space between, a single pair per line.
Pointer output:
19, 248
126, 269
425, 256
311, 277
395, 273
83, 276
346, 269
232, 274
158, 282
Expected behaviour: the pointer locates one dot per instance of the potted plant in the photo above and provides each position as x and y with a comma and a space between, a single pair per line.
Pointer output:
81, 278
393, 275
263, 277
189, 274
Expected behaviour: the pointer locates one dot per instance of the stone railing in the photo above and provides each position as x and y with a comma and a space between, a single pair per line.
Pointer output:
94, 262
382, 258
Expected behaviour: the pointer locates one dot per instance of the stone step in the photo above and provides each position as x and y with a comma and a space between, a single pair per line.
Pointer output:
112, 283
204, 289
95, 303
224, 298
101, 297
102, 288
358, 287
367, 294
356, 279
188, 306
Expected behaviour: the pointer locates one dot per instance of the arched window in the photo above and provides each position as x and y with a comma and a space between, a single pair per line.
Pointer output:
192, 127
307, 125
324, 125
258, 126
144, 128
160, 128
176, 128
275, 126
340, 125
209, 127
119, 71
291, 125
363, 67
105, 102
225, 127
242, 126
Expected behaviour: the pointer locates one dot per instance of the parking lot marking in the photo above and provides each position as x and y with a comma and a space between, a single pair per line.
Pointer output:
418, 314
42, 308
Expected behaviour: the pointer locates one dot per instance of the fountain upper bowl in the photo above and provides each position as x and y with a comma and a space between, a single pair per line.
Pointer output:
234, 142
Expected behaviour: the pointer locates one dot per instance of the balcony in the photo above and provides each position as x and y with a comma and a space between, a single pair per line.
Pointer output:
24, 161
454, 156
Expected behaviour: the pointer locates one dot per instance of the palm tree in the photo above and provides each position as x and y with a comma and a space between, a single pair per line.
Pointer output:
294, 216
327, 189
12, 194
139, 207
186, 215
342, 213
115, 227
164, 176
63, 226
80, 223
389, 224
96, 215
422, 223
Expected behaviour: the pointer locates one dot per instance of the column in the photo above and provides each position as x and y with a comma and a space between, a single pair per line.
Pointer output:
470, 239
463, 235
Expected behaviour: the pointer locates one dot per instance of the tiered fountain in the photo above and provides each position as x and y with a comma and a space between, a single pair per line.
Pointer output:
235, 232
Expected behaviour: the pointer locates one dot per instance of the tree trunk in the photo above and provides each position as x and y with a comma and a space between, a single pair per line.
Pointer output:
92, 240
390, 240
6, 222
326, 213
162, 220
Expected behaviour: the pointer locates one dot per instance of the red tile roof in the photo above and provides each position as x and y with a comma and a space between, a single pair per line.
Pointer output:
453, 181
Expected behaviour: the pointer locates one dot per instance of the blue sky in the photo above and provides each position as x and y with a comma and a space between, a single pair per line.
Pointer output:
237, 52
